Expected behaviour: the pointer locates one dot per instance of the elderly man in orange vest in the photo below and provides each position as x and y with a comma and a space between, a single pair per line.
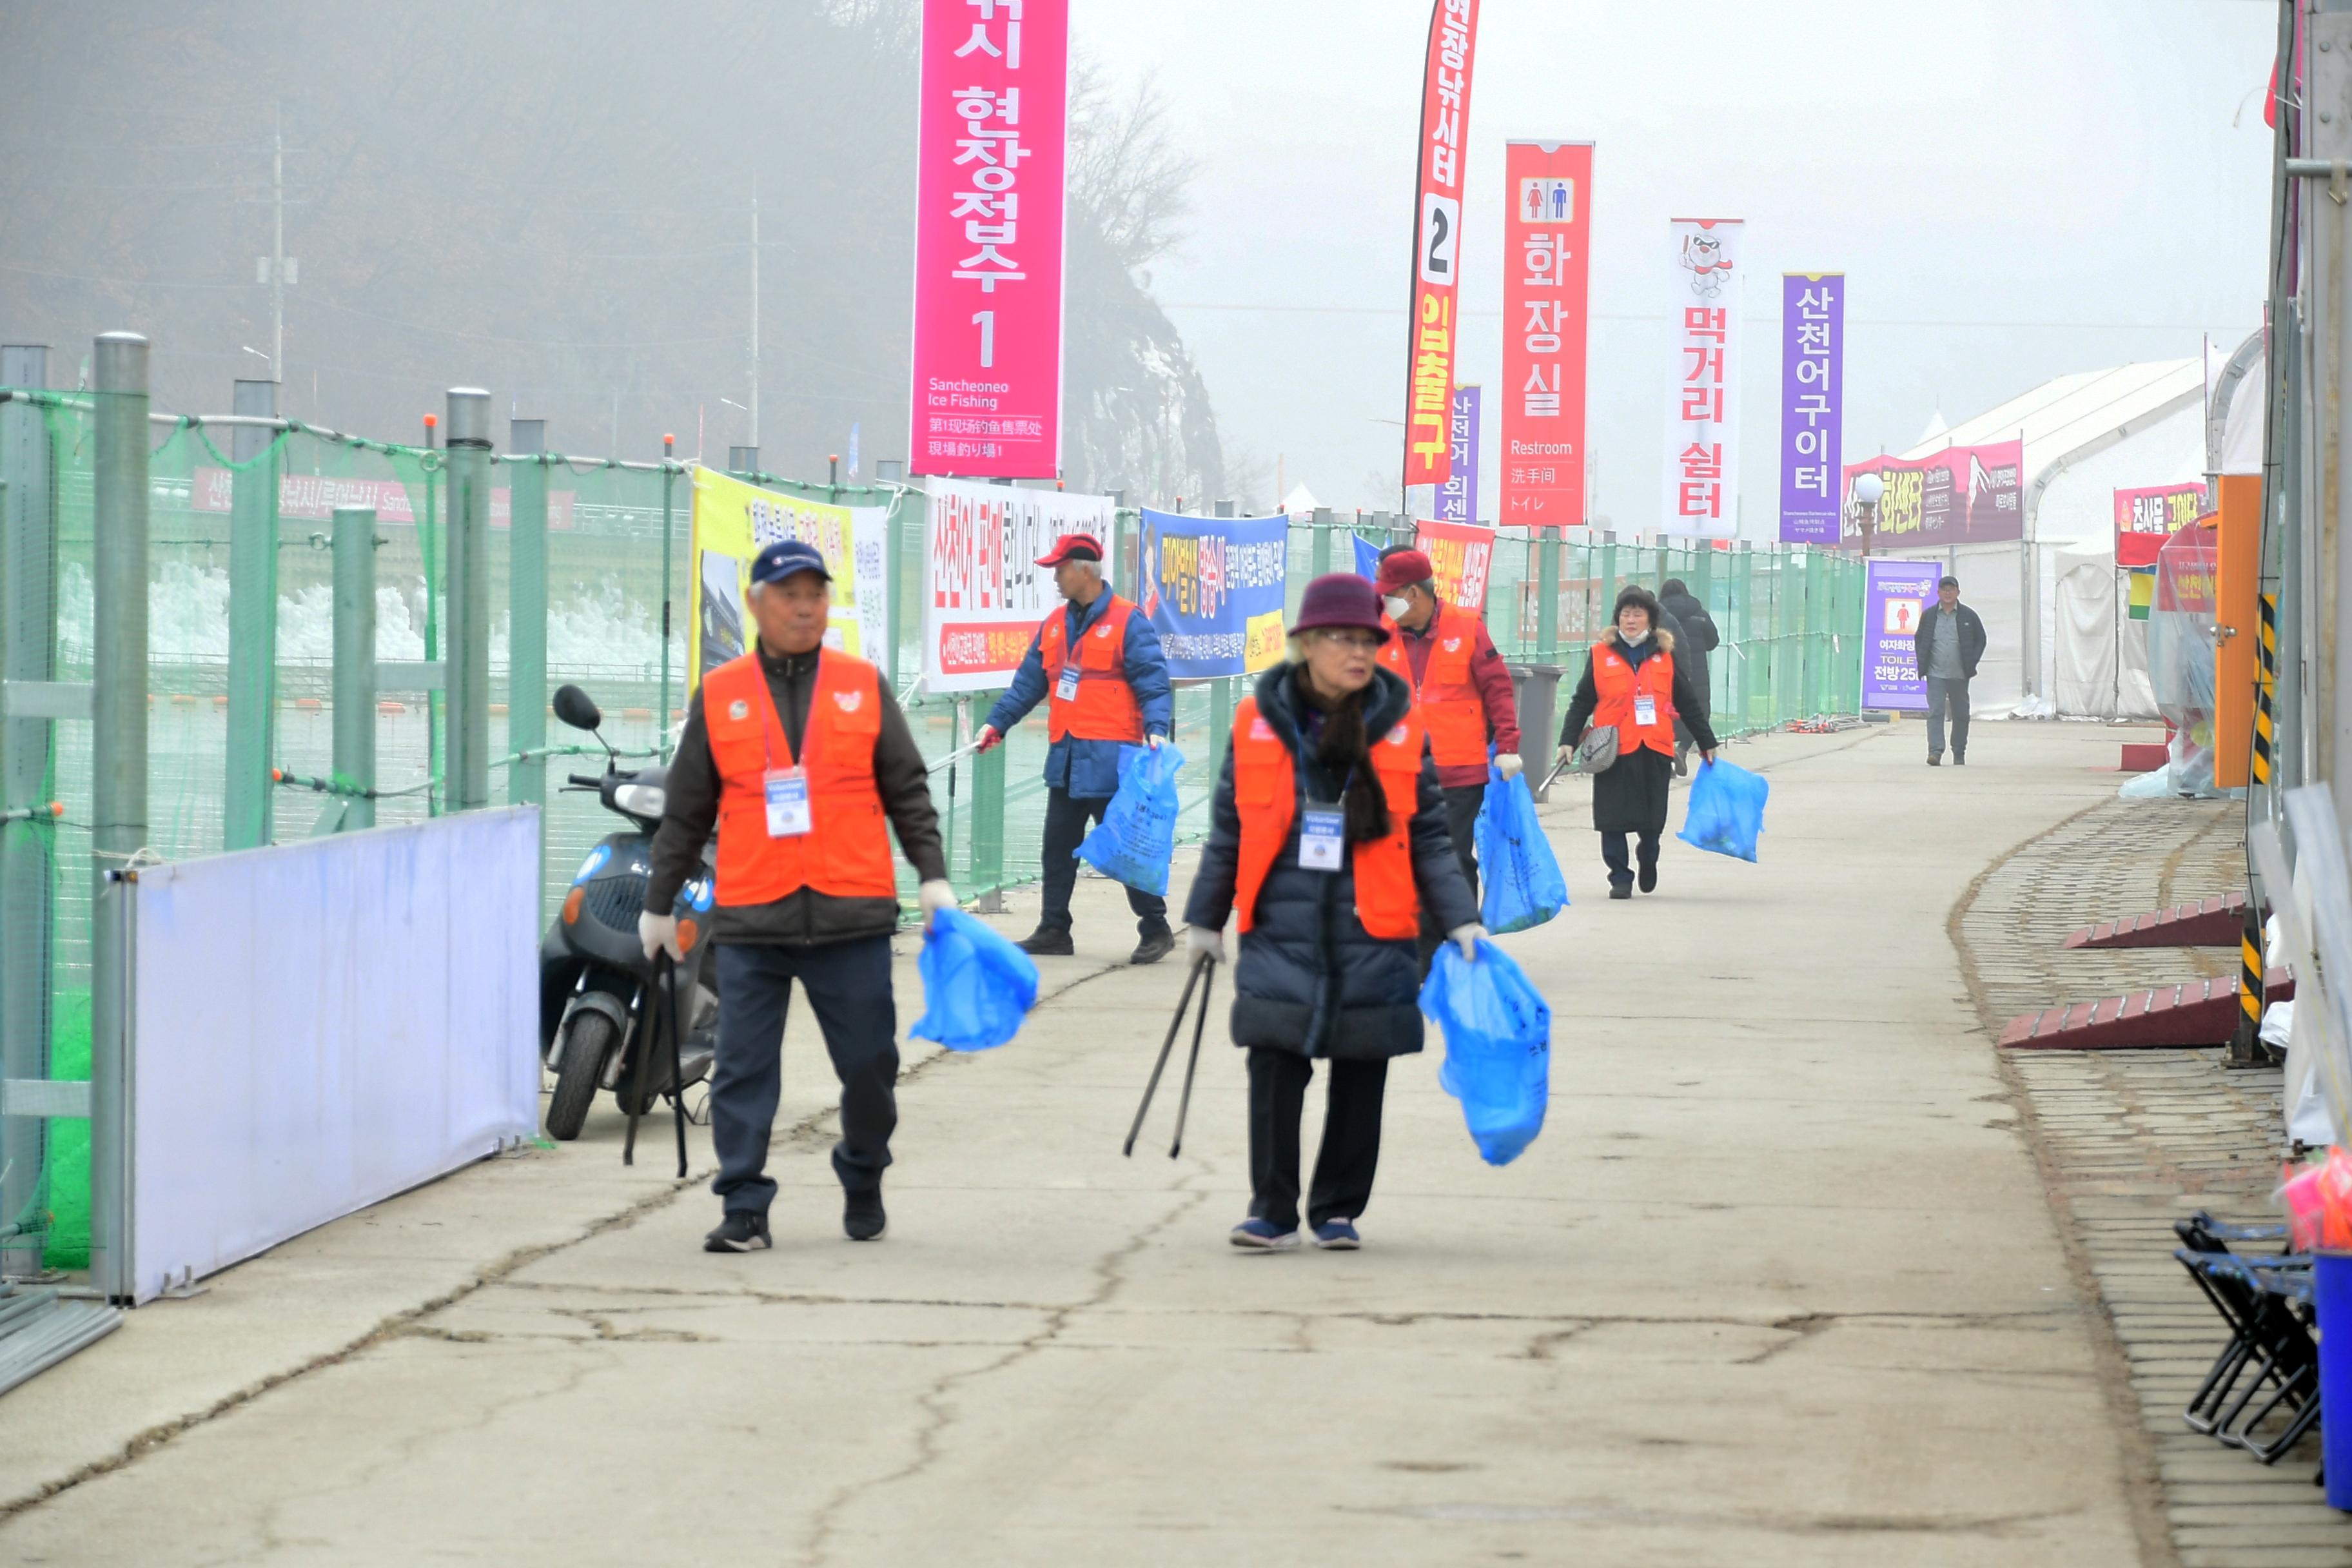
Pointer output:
1096, 662
1462, 691
801, 759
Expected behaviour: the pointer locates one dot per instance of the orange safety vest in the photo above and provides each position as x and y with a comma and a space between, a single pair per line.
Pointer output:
1266, 793
847, 853
1448, 702
1105, 707
1392, 654
1616, 683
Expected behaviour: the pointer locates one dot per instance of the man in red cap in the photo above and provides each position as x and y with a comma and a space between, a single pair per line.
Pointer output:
1462, 689
1096, 662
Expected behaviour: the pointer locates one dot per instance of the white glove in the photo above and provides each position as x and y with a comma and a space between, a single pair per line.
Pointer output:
935, 895
987, 740
1507, 763
1467, 938
1155, 742
1204, 944
659, 933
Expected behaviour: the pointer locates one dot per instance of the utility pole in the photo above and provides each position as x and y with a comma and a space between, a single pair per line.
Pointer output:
277, 270
754, 410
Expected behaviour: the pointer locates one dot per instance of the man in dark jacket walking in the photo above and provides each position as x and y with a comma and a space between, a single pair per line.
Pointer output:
1693, 630
1948, 644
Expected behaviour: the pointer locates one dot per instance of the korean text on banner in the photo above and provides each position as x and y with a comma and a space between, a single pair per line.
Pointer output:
1547, 269
1961, 495
2147, 516
1812, 402
1457, 498
1461, 554
1443, 151
1213, 588
1703, 407
983, 592
1897, 593
734, 521
987, 383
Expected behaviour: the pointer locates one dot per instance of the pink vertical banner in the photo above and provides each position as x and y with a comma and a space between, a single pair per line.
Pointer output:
987, 392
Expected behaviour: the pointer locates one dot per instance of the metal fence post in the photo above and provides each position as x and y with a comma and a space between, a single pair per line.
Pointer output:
118, 783
1548, 597
669, 548
1743, 589
526, 625
468, 677
1321, 560
1221, 726
987, 825
246, 817
354, 673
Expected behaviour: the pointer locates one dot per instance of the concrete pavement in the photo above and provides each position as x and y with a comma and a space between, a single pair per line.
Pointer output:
1778, 1284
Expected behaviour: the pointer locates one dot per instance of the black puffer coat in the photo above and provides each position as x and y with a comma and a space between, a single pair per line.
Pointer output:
1309, 978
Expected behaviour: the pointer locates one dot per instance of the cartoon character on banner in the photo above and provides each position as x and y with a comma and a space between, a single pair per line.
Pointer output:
1147, 570
1709, 268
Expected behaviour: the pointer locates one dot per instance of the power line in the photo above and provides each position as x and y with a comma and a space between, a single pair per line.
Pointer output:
1659, 316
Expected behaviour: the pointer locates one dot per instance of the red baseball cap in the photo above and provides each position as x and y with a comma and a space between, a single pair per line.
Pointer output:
1403, 569
1072, 547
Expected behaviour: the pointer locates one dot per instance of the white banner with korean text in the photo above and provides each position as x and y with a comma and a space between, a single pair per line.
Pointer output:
1703, 416
983, 592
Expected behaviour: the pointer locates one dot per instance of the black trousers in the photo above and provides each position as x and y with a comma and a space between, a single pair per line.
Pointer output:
1462, 805
848, 984
1952, 697
1068, 817
1351, 1137
1613, 854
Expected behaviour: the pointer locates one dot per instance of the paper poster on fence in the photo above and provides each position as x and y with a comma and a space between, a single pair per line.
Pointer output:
1213, 588
1462, 554
983, 592
733, 521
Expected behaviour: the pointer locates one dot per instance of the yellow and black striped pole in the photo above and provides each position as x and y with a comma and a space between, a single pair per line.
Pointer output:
2246, 1045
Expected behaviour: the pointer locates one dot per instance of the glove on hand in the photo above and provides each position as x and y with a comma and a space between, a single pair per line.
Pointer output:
1467, 938
1507, 763
659, 933
988, 740
1204, 944
934, 896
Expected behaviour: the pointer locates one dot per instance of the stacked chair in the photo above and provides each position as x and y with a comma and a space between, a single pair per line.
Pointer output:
2262, 1394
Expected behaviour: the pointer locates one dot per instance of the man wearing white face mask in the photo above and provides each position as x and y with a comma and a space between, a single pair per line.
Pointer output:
1462, 691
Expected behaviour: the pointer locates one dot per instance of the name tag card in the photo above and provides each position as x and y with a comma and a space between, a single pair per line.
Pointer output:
1322, 839
1067, 689
1645, 709
788, 802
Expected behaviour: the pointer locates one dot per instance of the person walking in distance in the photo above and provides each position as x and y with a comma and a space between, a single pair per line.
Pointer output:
1462, 691
1695, 637
1632, 681
1326, 838
1097, 664
800, 758
1950, 642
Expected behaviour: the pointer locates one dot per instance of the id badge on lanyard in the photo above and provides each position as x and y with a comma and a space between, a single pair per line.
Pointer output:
1645, 708
1067, 689
1322, 836
788, 802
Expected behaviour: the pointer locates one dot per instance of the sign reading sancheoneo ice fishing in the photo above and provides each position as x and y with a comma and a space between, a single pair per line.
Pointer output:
1813, 398
1437, 239
1703, 405
733, 521
1897, 593
1213, 588
983, 592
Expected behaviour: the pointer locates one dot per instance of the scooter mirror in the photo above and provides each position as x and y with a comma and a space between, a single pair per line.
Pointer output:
576, 707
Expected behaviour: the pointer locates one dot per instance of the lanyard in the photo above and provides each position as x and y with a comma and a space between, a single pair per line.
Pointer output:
773, 724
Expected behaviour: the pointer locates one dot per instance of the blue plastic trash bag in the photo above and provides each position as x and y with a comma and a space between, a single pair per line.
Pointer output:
1137, 836
1497, 1046
1726, 811
977, 986
1523, 886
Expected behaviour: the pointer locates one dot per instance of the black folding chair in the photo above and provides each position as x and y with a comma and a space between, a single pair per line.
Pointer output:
2262, 1393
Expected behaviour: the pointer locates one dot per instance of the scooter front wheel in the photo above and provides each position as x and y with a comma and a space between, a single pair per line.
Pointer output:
588, 1037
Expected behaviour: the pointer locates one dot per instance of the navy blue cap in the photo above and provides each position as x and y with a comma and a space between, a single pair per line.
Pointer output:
785, 557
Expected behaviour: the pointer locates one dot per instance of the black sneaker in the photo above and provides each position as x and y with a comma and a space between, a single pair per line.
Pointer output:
1046, 942
1959, 759
862, 1219
740, 1231
1648, 881
1620, 889
1155, 946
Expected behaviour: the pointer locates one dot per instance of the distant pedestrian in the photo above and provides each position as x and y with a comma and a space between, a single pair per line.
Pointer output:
1950, 642
1327, 837
1695, 637
1634, 681
1095, 663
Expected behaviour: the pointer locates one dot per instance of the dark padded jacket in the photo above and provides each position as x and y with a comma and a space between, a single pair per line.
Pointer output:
1309, 977
1972, 639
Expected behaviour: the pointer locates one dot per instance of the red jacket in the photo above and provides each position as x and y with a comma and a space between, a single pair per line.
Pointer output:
1492, 679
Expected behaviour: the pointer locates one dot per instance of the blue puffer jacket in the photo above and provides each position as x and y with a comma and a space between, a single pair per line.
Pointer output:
1089, 769
1309, 978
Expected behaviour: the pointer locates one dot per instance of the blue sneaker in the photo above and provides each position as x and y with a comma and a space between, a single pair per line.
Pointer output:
1337, 1235
1262, 1235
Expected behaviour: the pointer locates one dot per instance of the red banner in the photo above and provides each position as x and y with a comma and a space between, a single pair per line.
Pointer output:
1546, 266
987, 392
1436, 241
1460, 554
2146, 517
1961, 495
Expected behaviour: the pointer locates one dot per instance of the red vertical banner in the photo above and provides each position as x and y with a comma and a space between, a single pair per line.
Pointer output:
1437, 241
987, 382
1547, 270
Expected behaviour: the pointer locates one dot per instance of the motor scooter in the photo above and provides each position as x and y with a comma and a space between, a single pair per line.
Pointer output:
602, 1021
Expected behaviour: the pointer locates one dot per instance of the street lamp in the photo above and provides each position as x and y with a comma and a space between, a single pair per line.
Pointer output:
262, 357
1867, 489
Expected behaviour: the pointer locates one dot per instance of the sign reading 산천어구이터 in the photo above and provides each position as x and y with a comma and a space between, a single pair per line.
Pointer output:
1213, 588
1813, 396
1899, 593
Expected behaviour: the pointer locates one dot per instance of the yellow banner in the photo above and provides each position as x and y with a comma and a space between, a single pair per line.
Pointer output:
733, 521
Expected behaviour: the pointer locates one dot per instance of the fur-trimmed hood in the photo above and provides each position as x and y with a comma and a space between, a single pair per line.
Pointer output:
1659, 638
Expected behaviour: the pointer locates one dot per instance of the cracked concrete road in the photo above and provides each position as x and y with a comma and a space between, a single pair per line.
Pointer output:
1778, 1284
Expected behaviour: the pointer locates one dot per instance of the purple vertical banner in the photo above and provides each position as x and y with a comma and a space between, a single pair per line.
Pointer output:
1812, 401
1457, 498
1894, 596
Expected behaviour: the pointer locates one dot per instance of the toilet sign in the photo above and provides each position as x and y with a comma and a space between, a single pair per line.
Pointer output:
1897, 593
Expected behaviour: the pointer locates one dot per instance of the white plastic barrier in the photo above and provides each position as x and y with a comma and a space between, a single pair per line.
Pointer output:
317, 1027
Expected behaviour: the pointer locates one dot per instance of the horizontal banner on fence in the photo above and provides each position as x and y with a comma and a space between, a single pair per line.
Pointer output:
983, 592
1463, 554
1213, 588
734, 521
316, 497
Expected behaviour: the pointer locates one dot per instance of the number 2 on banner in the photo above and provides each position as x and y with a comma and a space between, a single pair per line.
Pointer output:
986, 321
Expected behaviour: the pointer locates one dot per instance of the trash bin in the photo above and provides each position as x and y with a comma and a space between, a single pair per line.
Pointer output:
1536, 687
